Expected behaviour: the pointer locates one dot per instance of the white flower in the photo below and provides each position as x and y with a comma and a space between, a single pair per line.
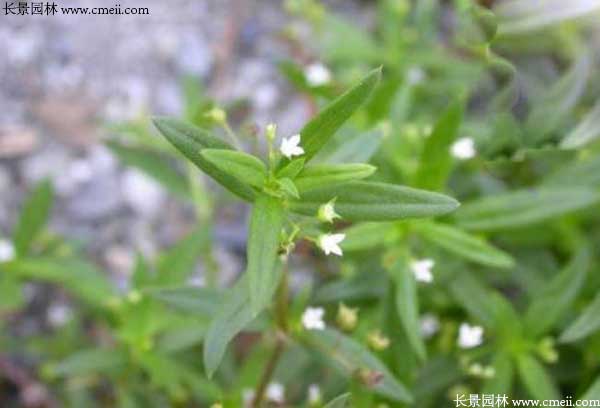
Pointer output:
289, 147
327, 212
7, 251
463, 148
314, 394
247, 396
429, 325
469, 336
312, 318
58, 314
275, 392
317, 74
422, 270
415, 75
329, 243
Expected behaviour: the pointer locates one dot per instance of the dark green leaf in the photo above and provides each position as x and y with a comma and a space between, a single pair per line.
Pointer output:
587, 323
244, 167
92, 361
536, 380
367, 201
501, 383
266, 222
190, 141
525, 207
593, 392
176, 264
327, 175
33, 217
193, 300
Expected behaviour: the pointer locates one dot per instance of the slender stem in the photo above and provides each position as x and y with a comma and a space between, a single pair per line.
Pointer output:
265, 379
232, 136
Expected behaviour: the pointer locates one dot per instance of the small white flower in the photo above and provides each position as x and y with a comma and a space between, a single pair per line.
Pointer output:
463, 148
314, 394
329, 243
247, 397
58, 314
275, 392
290, 147
7, 251
415, 75
317, 74
312, 318
422, 270
429, 325
469, 336
327, 212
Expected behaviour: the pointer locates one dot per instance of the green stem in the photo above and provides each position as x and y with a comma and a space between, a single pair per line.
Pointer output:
232, 136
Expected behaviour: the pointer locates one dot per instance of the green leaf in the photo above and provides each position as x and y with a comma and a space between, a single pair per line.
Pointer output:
34, 215
464, 244
288, 187
524, 207
368, 201
233, 315
193, 300
176, 264
587, 323
553, 300
341, 401
436, 161
79, 277
585, 132
92, 361
407, 305
327, 175
291, 169
501, 383
244, 167
350, 357
584, 173
266, 222
316, 133
154, 164
351, 146
367, 235
593, 392
190, 140
535, 378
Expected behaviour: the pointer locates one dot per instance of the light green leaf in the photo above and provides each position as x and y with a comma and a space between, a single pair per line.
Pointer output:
316, 133
524, 207
79, 277
190, 140
436, 161
154, 164
367, 235
233, 315
349, 357
288, 187
291, 169
501, 383
368, 201
584, 173
33, 217
327, 175
351, 146
244, 167
585, 132
266, 222
341, 401
92, 361
176, 264
407, 305
193, 300
535, 378
593, 392
553, 300
464, 244
587, 323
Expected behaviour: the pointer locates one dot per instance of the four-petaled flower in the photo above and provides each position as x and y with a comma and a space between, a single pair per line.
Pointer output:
463, 148
422, 270
469, 336
317, 74
329, 243
275, 392
7, 251
312, 318
290, 147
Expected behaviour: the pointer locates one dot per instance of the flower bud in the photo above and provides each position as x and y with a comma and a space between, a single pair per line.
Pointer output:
377, 341
547, 351
217, 115
327, 212
271, 131
347, 317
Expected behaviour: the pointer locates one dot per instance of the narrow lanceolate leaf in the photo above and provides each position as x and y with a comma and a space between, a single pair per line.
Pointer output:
92, 361
194, 300
233, 315
341, 401
156, 165
587, 323
292, 169
407, 305
244, 167
553, 300
190, 141
326, 175
464, 244
502, 381
436, 162
176, 264
34, 215
263, 243
525, 207
593, 392
351, 358
367, 235
535, 378
587, 130
322, 127
367, 201
584, 173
